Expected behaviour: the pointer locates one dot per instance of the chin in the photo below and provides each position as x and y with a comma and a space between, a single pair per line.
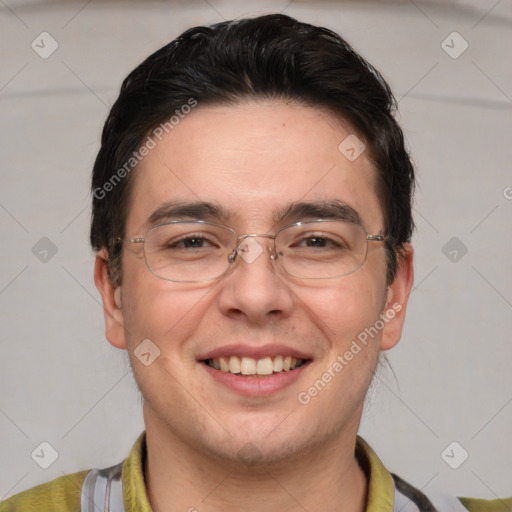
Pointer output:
259, 444
260, 454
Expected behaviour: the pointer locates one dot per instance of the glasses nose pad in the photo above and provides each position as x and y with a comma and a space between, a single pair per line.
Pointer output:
273, 252
249, 250
232, 256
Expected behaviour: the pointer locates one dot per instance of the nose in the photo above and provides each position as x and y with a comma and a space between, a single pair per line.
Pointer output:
250, 250
255, 290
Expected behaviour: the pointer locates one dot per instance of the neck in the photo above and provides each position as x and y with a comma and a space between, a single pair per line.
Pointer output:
180, 477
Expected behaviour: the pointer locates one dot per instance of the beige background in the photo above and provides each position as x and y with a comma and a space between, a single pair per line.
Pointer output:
62, 383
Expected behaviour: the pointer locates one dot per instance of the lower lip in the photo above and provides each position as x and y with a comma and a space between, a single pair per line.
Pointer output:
256, 386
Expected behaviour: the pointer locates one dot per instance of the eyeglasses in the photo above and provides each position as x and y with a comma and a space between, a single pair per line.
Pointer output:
194, 251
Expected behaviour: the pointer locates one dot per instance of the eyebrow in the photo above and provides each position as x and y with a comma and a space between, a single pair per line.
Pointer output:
175, 210
335, 209
304, 210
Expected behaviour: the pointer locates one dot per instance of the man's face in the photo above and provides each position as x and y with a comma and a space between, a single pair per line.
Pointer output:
254, 161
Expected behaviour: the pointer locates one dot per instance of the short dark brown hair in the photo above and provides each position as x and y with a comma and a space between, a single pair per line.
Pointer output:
268, 57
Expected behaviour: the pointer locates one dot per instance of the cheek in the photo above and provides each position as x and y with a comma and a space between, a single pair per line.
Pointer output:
345, 307
162, 311
346, 313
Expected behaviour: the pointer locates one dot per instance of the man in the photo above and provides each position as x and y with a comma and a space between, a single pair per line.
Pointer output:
252, 222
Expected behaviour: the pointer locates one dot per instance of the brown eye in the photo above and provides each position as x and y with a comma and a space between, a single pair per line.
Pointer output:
191, 243
316, 242
319, 242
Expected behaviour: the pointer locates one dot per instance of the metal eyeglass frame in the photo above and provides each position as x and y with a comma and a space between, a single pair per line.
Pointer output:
241, 238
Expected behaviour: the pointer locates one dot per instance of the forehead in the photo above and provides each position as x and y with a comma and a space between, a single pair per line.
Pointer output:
253, 160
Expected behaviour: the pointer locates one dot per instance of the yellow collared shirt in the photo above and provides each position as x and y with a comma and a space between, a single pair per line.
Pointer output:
63, 494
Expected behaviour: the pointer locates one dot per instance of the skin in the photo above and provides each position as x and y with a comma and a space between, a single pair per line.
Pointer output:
254, 159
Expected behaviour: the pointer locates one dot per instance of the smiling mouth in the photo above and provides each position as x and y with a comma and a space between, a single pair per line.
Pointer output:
248, 366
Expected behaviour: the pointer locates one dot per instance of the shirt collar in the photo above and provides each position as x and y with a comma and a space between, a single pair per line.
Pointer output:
380, 481
134, 488
381, 488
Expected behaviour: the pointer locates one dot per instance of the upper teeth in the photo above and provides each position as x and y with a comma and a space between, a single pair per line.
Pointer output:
250, 366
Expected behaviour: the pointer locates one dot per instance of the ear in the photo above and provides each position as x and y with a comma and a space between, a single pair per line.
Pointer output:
397, 298
111, 297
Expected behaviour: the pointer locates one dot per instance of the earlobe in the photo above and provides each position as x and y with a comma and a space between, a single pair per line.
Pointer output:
397, 298
111, 298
